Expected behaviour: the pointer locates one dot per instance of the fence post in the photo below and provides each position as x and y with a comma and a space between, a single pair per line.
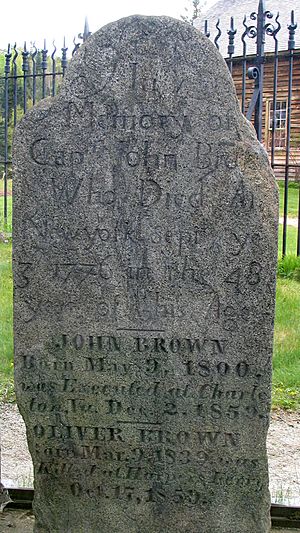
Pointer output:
260, 59
291, 47
6, 119
256, 73
86, 31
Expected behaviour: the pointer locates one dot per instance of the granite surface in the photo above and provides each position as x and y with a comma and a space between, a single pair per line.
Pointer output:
145, 228
22, 521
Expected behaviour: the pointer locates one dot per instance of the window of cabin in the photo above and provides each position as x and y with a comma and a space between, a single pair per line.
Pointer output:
280, 123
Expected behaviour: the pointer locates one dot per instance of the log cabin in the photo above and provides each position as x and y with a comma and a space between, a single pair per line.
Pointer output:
284, 155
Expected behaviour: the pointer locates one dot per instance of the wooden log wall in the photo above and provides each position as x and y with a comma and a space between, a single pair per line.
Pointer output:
282, 95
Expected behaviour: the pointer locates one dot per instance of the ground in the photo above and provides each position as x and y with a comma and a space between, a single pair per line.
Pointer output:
284, 457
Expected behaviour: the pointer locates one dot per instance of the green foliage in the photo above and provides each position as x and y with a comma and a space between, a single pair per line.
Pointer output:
291, 248
289, 267
6, 327
7, 390
285, 397
193, 11
293, 198
282, 496
5, 229
286, 361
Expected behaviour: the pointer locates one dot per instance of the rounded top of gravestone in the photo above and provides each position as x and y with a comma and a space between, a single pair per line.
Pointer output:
171, 45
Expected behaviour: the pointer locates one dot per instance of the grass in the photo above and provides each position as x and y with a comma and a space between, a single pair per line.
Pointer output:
6, 229
286, 361
293, 198
6, 331
289, 267
291, 240
293, 205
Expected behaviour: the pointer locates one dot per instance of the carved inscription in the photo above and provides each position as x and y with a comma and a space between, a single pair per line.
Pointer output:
133, 422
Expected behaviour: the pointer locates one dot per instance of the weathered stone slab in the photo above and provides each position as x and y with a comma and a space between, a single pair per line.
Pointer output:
145, 224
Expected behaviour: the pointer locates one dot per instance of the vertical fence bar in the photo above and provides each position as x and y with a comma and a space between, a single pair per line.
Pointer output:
33, 56
87, 33
25, 68
6, 116
231, 35
244, 65
275, 85
53, 70
15, 82
291, 46
260, 59
44, 68
64, 62
206, 30
219, 33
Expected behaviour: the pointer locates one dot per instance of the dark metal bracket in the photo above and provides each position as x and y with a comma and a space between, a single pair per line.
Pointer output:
253, 74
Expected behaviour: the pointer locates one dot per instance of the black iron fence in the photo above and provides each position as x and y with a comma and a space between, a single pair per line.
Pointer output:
262, 51
264, 48
26, 77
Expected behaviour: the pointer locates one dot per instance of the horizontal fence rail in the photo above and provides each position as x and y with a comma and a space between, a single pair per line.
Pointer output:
262, 53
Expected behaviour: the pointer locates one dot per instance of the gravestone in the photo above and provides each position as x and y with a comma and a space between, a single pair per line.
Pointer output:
145, 224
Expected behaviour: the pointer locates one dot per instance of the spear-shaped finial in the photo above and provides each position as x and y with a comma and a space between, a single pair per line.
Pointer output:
86, 31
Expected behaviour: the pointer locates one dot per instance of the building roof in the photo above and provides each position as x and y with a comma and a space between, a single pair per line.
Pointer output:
225, 9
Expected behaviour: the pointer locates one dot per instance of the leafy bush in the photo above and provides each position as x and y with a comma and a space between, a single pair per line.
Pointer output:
289, 267
285, 397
